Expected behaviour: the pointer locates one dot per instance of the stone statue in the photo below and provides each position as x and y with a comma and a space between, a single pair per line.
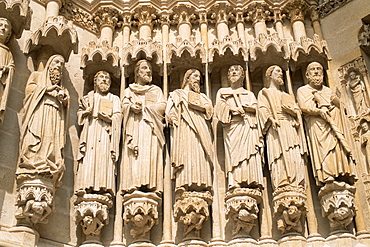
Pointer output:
280, 122
6, 65
236, 109
365, 141
143, 107
100, 115
358, 90
44, 123
330, 152
188, 113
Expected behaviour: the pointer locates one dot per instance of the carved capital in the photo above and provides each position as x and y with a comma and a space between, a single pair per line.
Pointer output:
192, 209
278, 15
184, 13
221, 12
258, 12
142, 210
202, 16
239, 15
106, 16
145, 15
34, 200
297, 10
165, 18
242, 209
314, 14
92, 213
338, 204
79, 17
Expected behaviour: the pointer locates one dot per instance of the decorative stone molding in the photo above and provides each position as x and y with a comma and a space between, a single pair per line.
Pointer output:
18, 13
34, 200
221, 46
242, 209
364, 38
307, 45
338, 205
297, 10
192, 209
141, 208
92, 213
66, 35
289, 208
265, 41
258, 12
221, 12
88, 56
106, 16
329, 6
149, 47
79, 17
186, 45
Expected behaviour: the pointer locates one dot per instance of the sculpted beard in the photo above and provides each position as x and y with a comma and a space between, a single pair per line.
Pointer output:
55, 75
316, 80
195, 87
103, 87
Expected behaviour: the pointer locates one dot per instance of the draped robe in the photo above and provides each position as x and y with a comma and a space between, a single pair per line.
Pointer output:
6, 59
285, 145
144, 132
98, 141
327, 153
242, 137
191, 141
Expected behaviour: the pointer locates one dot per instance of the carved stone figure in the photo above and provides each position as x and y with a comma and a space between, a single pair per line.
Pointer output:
100, 115
365, 141
330, 152
44, 123
279, 115
143, 107
358, 90
236, 109
6, 65
188, 113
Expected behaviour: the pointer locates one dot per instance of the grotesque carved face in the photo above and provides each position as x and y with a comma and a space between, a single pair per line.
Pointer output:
293, 211
38, 208
5, 30
315, 75
365, 126
235, 74
194, 81
144, 73
55, 69
102, 81
277, 76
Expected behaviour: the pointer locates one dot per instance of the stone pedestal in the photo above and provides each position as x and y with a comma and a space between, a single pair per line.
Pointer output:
92, 214
338, 205
290, 209
141, 208
192, 209
242, 209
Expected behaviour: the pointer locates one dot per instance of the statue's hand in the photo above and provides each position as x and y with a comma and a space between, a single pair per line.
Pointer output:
274, 123
237, 111
136, 108
104, 117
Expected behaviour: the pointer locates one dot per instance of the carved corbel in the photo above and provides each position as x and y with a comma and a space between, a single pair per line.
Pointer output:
141, 209
338, 205
290, 208
92, 214
192, 209
242, 209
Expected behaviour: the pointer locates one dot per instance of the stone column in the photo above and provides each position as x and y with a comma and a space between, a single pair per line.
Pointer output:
165, 36
204, 27
126, 28
297, 11
240, 25
315, 21
107, 19
258, 13
221, 15
183, 16
145, 15
278, 18
52, 8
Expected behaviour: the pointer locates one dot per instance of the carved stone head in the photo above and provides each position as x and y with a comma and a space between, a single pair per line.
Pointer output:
274, 74
102, 82
5, 30
235, 75
55, 69
192, 80
315, 75
143, 72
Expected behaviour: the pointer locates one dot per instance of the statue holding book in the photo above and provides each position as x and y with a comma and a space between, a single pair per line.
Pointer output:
100, 115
